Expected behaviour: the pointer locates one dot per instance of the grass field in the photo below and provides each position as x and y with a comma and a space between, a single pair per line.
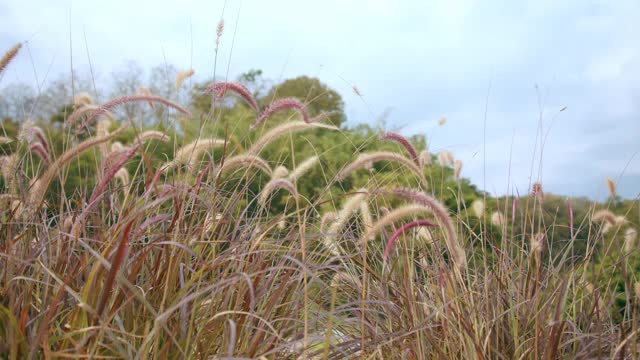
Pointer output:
265, 240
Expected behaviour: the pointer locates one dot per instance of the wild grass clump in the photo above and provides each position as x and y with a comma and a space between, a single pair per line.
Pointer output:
212, 248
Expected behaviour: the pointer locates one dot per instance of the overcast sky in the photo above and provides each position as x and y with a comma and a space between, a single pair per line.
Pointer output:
516, 61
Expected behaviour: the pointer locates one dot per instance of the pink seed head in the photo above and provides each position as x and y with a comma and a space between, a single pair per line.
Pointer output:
220, 89
280, 105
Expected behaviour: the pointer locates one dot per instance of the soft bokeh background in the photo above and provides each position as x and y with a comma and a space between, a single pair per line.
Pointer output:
499, 71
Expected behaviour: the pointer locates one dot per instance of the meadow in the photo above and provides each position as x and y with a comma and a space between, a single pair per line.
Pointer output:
234, 223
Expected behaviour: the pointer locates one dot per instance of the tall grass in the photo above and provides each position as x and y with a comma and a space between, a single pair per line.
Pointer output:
194, 264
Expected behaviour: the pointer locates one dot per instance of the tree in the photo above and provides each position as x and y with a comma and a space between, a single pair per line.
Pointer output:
161, 83
58, 94
254, 81
17, 101
127, 81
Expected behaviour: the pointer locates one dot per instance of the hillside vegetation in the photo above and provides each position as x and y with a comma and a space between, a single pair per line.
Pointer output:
242, 219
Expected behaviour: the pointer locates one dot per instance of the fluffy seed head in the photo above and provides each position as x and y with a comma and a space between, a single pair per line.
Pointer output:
144, 91
286, 128
210, 221
536, 191
281, 105
189, 152
341, 218
302, 168
404, 142
82, 99
604, 215
7, 164
327, 218
123, 176
8, 56
322, 116
445, 158
220, 89
103, 126
457, 168
425, 235
85, 112
153, 135
365, 216
478, 208
612, 188
33, 135
279, 172
425, 159
42, 152
440, 212
219, 31
403, 228
246, 160
497, 219
182, 75
345, 280
570, 211
104, 109
365, 158
621, 220
111, 168
537, 243
348, 209
117, 146
273, 186
630, 236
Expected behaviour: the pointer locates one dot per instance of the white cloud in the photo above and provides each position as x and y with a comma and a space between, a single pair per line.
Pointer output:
613, 65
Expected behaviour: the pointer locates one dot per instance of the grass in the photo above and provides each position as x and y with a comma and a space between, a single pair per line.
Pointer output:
187, 260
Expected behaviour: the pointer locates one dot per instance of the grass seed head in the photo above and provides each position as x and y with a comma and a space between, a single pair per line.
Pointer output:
404, 142
457, 169
604, 216
8, 56
182, 76
478, 208
537, 243
630, 237
445, 158
82, 99
497, 219
612, 188
425, 158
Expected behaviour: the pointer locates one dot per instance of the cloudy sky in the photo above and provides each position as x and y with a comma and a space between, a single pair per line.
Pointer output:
499, 71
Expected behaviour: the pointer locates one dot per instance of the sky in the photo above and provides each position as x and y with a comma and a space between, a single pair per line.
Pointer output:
500, 72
